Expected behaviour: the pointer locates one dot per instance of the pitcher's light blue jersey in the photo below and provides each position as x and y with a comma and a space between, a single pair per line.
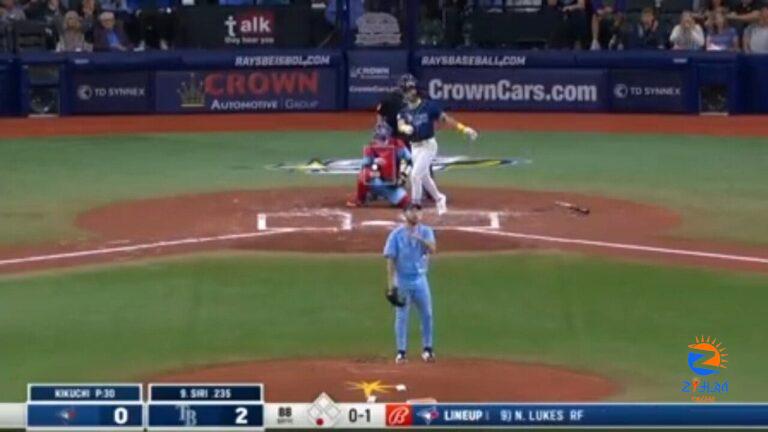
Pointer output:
411, 257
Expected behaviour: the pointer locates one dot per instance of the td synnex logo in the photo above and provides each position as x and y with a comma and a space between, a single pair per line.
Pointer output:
504, 90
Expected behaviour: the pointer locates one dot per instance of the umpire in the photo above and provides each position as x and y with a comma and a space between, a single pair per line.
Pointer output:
389, 106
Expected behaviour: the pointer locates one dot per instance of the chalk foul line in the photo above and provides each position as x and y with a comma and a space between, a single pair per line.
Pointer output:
492, 231
144, 246
624, 246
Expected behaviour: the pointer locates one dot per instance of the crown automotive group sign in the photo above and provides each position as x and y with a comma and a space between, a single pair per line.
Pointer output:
301, 89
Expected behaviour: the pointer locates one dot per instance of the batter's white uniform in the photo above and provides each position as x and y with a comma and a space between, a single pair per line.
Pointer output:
421, 117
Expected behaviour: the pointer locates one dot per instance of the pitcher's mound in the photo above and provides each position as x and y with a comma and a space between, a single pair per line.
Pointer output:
447, 380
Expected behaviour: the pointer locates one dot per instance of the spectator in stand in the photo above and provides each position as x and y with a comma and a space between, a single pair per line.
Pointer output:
570, 30
607, 21
109, 36
10, 11
646, 33
72, 37
51, 12
721, 36
706, 14
756, 35
744, 13
568, 23
151, 23
89, 10
687, 35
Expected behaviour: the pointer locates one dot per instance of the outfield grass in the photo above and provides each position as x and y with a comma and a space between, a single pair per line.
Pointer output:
631, 322
718, 185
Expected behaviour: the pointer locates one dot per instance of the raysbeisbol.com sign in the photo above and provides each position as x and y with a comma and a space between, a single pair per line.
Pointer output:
241, 90
523, 89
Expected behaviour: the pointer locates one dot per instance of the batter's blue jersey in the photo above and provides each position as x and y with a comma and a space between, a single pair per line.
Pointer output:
422, 118
410, 255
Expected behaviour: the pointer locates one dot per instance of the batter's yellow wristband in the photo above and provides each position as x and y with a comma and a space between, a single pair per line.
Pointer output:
461, 127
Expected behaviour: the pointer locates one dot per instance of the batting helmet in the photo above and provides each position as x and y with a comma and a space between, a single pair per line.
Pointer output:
406, 82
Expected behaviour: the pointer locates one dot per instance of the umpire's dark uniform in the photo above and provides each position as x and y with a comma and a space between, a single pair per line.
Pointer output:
389, 106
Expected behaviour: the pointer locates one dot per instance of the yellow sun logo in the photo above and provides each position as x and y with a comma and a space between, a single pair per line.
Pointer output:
716, 350
371, 388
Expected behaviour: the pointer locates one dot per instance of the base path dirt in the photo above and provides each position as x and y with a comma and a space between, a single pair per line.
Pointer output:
448, 380
317, 220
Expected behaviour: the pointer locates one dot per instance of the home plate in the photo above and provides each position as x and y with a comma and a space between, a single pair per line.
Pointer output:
378, 223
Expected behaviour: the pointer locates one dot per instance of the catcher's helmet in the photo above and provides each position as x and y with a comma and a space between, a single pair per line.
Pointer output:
382, 132
406, 82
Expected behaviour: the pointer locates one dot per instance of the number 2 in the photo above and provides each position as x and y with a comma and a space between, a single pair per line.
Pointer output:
242, 416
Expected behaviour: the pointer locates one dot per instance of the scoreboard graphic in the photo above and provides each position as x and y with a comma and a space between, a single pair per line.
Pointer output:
242, 407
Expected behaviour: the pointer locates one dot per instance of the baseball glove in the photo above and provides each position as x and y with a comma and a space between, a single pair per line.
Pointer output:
394, 298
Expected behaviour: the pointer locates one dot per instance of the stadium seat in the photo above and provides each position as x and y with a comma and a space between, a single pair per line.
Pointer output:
29, 36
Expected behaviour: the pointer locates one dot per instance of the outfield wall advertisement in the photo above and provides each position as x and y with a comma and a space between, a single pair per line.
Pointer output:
634, 90
272, 79
110, 92
373, 74
517, 89
246, 90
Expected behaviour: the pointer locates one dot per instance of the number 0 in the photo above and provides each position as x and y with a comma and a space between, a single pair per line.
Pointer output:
121, 416
242, 416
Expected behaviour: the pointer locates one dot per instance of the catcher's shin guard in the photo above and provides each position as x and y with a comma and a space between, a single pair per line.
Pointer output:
362, 190
404, 202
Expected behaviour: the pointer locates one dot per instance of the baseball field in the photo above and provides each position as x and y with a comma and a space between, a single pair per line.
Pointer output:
167, 249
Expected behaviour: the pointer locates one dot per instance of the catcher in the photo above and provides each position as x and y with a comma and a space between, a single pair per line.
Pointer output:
384, 171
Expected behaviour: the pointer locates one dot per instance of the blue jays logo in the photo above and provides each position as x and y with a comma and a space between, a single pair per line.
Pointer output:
67, 415
429, 414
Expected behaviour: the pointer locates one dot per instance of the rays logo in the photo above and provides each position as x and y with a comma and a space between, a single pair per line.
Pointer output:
706, 352
706, 357
429, 414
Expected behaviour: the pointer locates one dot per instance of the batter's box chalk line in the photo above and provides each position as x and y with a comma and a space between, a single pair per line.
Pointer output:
345, 221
